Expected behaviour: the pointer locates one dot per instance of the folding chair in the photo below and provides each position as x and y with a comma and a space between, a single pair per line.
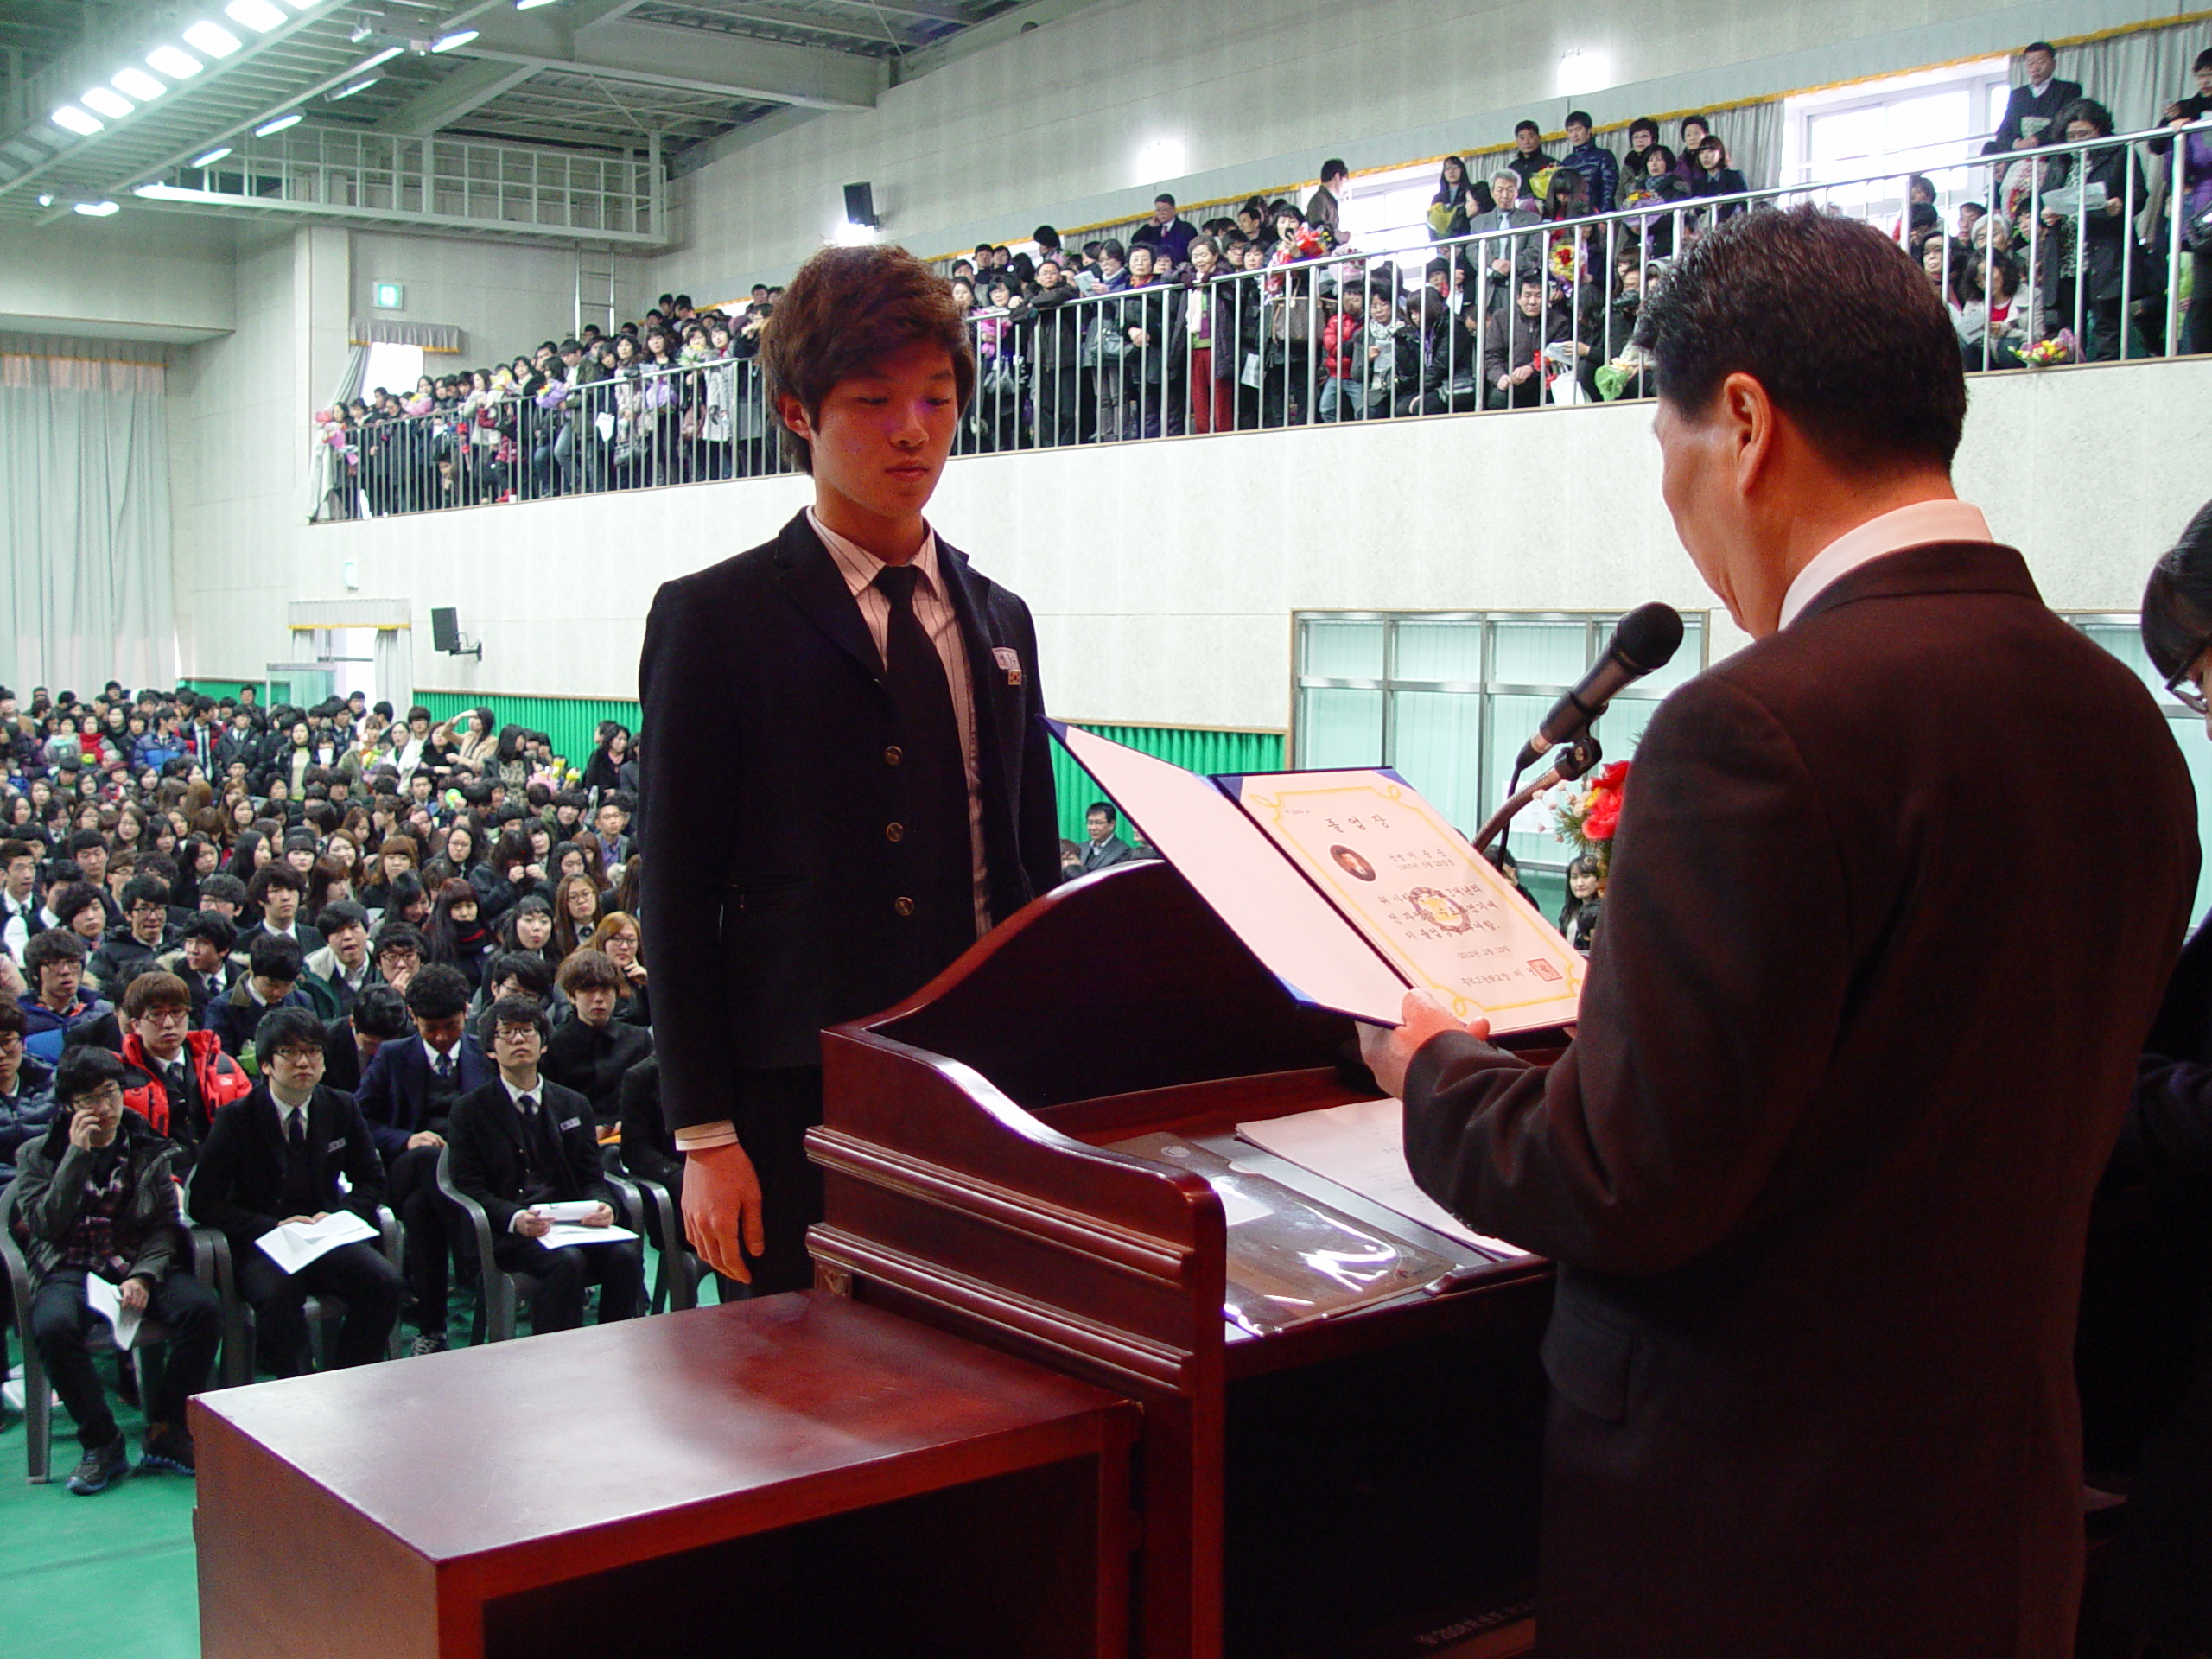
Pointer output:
501, 1291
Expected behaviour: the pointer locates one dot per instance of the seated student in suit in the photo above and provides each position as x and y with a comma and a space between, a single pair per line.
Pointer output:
1104, 848
336, 973
590, 1052
201, 958
522, 1140
143, 936
97, 1195
271, 980
380, 1016
18, 895
278, 1156
279, 890
407, 1095
54, 964
515, 973
175, 1078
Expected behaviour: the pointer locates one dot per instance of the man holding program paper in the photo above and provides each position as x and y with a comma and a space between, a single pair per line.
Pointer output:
1816, 1166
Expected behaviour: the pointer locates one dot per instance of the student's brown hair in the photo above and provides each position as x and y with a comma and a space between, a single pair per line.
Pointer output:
849, 308
154, 990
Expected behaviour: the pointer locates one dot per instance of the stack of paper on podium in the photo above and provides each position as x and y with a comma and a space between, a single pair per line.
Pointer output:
1348, 887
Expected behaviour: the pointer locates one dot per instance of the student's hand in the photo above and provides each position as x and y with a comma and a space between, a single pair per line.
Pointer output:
424, 1138
600, 1216
721, 1206
636, 972
529, 1224
2023, 143
1388, 1051
535, 871
81, 1125
298, 1221
133, 1294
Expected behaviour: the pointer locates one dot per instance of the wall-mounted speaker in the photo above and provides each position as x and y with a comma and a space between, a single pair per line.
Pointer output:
445, 633
859, 205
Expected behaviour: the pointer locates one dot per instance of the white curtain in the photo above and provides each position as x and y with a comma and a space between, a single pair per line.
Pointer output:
2134, 75
394, 671
83, 524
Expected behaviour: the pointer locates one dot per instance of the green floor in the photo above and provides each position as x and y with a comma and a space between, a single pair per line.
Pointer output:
111, 1575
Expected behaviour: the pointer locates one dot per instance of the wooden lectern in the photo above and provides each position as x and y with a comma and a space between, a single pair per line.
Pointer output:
1360, 1484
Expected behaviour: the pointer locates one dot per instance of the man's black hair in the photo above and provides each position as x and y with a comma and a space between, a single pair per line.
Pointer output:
526, 968
437, 992
522, 1011
275, 875
1526, 125
283, 1028
74, 900
2044, 46
85, 840
145, 890
55, 945
1334, 167
217, 929
381, 1012
1107, 807
62, 872
86, 1071
1881, 381
276, 957
1163, 196
1578, 119
621, 798
224, 887
338, 915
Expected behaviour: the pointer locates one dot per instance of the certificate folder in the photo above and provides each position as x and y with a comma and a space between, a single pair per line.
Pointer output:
1348, 887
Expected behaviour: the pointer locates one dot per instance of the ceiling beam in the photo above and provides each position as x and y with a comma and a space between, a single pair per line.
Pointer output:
937, 11
873, 30
727, 66
468, 88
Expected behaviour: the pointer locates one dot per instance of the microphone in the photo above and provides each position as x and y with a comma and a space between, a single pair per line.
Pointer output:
1646, 639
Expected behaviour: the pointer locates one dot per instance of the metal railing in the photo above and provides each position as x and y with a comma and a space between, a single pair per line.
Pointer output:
2076, 261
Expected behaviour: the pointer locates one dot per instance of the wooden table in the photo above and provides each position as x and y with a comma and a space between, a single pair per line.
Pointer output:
797, 1474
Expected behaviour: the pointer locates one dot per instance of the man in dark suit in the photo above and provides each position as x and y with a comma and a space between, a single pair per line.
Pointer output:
278, 1156
1816, 1168
591, 1053
1104, 848
202, 959
2032, 111
271, 979
890, 793
520, 1141
407, 1095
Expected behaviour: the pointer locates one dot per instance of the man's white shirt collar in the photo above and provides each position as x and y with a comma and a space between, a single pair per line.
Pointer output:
1891, 533
860, 568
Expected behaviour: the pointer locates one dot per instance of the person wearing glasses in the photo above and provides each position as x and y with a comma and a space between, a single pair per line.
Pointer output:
143, 936
2147, 1305
175, 1078
96, 1196
26, 1090
295, 1150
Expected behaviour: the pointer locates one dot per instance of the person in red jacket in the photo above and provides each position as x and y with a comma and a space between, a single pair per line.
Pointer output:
175, 1078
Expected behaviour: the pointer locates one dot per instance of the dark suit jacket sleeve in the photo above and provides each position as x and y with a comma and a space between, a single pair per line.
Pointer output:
685, 670
364, 1167
217, 1198
378, 1097
1037, 814
1711, 1008
471, 1141
644, 1138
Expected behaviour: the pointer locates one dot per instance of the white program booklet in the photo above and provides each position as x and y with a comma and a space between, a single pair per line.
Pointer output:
106, 1300
1362, 1147
295, 1243
566, 1233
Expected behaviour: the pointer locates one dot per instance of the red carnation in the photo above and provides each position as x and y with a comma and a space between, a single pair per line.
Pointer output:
1604, 816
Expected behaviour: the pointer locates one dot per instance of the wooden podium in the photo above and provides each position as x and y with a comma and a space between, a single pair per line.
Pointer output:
1365, 1485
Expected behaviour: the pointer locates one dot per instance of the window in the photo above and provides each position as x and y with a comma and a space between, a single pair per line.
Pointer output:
1933, 121
1387, 213
1447, 699
2121, 633
395, 368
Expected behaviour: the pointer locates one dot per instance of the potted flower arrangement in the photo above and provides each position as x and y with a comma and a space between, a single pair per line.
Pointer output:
1590, 811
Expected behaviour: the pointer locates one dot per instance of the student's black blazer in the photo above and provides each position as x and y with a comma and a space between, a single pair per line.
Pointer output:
238, 1187
767, 781
486, 1137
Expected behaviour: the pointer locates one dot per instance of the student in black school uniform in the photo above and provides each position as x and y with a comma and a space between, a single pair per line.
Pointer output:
519, 1142
276, 1156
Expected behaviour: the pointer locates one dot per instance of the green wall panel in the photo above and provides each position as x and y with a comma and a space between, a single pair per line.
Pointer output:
571, 722
1201, 751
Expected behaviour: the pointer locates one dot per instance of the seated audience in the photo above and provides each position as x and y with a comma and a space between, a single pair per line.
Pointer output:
26, 1090
271, 980
54, 963
295, 1150
175, 1078
591, 1052
523, 1141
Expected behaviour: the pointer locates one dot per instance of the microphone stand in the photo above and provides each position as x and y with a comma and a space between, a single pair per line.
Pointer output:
1574, 761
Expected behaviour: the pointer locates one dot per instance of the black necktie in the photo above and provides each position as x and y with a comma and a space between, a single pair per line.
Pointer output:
936, 865
299, 1184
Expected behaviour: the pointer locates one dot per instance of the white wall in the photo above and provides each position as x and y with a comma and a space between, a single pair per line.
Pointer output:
503, 296
1162, 598
1047, 127
146, 277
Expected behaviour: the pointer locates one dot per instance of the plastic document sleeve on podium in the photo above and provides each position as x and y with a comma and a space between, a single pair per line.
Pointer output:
1348, 887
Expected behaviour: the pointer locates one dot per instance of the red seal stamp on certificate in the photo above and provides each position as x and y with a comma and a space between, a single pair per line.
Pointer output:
1543, 969
1441, 909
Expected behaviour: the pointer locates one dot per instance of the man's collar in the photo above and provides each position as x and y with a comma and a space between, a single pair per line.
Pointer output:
1914, 525
860, 568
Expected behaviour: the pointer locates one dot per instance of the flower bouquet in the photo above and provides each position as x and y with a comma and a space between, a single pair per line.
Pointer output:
1586, 816
2047, 354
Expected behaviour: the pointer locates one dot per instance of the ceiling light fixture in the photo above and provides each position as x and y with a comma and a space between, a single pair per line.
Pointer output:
269, 128
137, 83
360, 86
176, 65
95, 209
46, 198
459, 37
212, 38
531, 5
77, 121
384, 56
211, 157
111, 104
256, 14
